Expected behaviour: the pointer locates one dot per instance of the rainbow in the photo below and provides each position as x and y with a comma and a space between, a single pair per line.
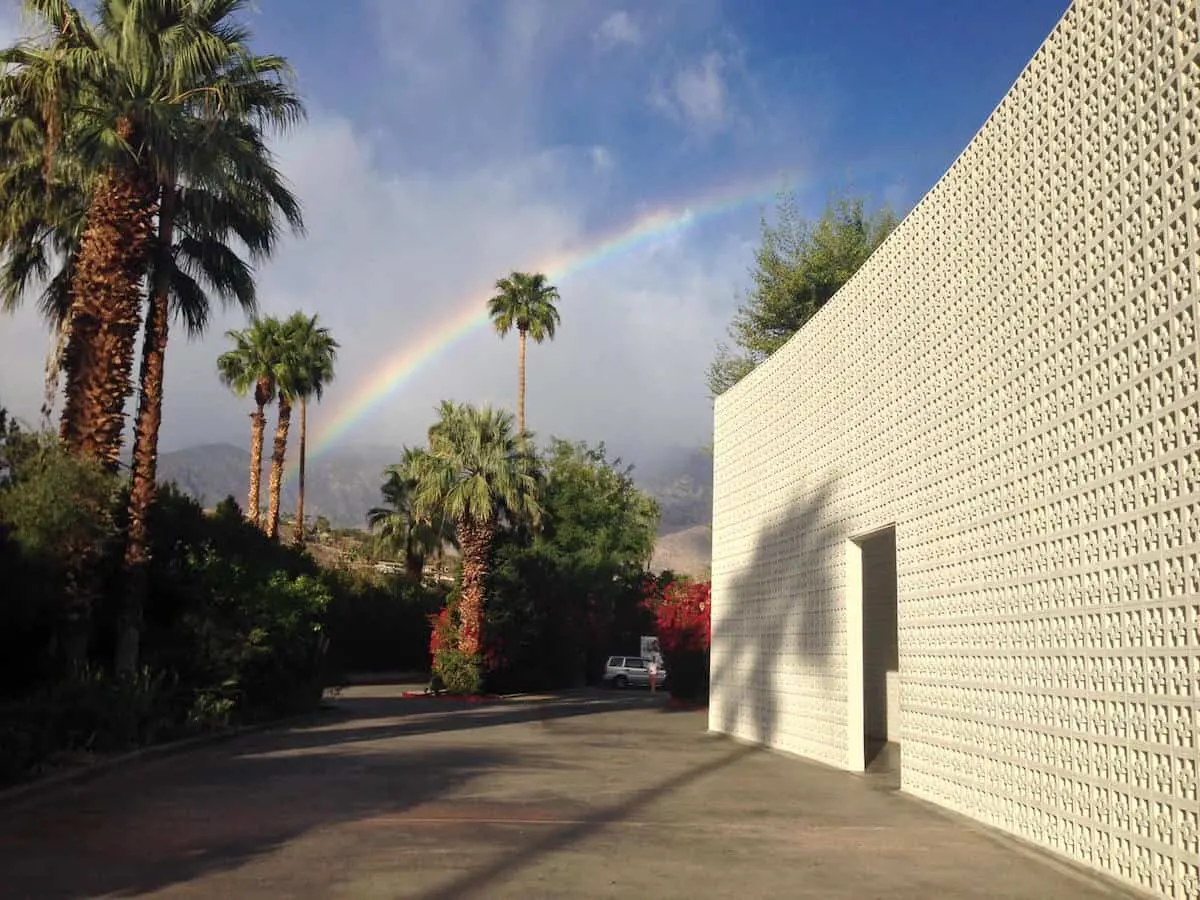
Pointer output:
471, 315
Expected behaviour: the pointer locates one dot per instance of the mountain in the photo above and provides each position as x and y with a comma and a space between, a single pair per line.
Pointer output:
343, 484
208, 472
688, 552
340, 486
680, 479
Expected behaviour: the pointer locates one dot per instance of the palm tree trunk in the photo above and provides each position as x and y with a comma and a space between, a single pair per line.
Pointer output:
277, 459
475, 538
414, 565
258, 428
106, 299
298, 534
81, 592
521, 381
145, 444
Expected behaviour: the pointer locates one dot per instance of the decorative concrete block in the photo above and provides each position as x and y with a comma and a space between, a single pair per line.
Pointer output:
1011, 381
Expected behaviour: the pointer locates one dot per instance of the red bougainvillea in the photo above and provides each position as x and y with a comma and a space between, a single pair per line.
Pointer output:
682, 612
444, 635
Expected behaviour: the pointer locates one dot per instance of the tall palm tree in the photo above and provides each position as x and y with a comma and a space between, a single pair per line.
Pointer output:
527, 303
316, 352
475, 472
204, 220
290, 381
251, 366
132, 98
399, 526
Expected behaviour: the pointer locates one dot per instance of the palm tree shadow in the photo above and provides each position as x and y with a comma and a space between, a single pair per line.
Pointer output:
484, 878
776, 632
410, 718
133, 833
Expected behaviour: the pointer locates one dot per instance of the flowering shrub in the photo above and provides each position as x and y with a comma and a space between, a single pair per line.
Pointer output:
683, 618
444, 635
454, 670
683, 613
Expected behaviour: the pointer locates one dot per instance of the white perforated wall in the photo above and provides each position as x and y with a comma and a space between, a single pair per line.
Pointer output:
1012, 381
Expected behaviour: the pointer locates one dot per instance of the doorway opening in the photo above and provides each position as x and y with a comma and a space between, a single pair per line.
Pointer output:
874, 623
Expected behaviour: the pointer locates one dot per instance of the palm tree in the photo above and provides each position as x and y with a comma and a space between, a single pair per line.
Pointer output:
251, 367
291, 379
213, 179
524, 302
132, 100
475, 473
204, 220
41, 222
316, 351
397, 523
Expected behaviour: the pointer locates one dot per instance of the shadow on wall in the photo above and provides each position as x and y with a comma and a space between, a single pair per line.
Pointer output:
775, 618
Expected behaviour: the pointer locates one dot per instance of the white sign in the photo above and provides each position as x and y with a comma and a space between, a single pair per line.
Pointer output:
650, 648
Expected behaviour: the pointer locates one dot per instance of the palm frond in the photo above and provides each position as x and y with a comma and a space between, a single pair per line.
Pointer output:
525, 302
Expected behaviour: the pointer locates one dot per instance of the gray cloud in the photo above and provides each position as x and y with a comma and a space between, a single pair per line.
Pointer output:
395, 248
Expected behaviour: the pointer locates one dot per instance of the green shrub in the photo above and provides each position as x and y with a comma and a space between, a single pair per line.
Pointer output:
88, 711
460, 673
234, 629
255, 640
56, 529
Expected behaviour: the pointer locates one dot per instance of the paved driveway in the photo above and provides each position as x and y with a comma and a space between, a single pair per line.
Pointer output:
591, 796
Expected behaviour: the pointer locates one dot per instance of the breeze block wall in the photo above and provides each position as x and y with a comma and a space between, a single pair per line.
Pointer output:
1011, 382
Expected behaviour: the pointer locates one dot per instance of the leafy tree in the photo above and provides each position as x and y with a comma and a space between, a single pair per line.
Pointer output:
596, 517
527, 303
252, 365
476, 473
315, 351
398, 525
564, 594
797, 269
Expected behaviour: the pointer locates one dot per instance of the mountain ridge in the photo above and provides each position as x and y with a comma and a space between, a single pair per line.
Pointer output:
343, 484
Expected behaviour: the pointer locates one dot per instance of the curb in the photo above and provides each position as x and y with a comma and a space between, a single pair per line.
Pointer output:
48, 783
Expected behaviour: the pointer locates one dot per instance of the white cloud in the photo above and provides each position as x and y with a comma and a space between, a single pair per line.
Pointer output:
696, 94
399, 243
619, 28
602, 158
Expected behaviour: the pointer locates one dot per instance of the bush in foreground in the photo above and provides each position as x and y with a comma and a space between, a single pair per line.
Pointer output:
234, 626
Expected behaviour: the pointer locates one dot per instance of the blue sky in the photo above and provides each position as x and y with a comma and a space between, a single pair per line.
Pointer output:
452, 140
874, 94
